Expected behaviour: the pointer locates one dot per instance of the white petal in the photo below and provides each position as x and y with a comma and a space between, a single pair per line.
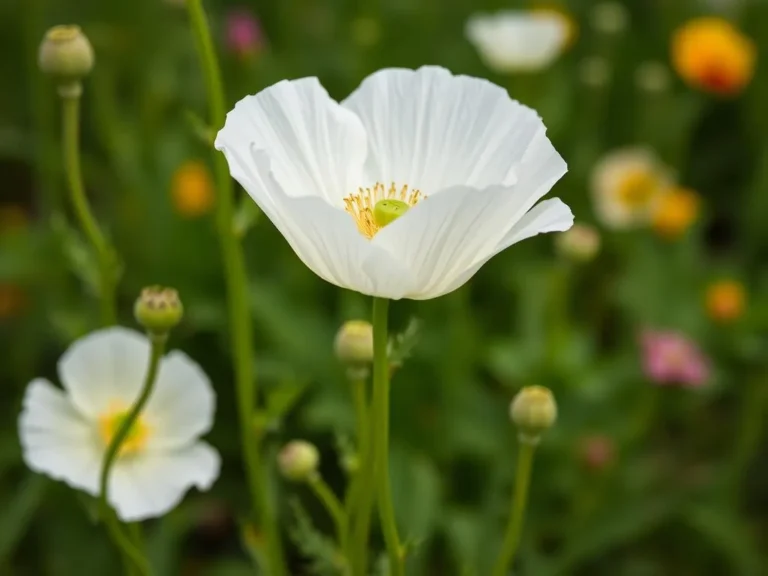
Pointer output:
517, 40
325, 238
315, 146
182, 404
56, 440
432, 130
103, 368
547, 216
153, 483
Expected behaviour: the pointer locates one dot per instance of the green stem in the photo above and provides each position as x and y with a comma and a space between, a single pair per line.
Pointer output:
71, 135
352, 499
239, 315
333, 506
380, 411
113, 450
514, 528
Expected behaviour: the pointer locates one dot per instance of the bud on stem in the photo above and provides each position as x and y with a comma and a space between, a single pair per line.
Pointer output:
67, 55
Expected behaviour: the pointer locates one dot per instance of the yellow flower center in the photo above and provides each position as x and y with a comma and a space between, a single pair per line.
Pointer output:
362, 206
137, 436
638, 189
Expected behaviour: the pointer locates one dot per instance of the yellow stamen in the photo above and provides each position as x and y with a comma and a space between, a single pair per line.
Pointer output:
360, 206
137, 436
638, 189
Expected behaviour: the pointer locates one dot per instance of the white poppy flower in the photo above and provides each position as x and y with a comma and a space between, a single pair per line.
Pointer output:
627, 186
518, 40
468, 161
64, 433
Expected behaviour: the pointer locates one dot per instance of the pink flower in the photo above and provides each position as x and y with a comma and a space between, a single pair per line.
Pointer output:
244, 37
671, 358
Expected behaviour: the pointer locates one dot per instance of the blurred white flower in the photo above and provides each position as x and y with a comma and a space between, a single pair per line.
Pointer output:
627, 185
518, 40
64, 433
609, 17
652, 76
581, 242
594, 71
461, 163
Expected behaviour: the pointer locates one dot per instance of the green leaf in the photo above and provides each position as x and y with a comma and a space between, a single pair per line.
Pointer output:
728, 536
313, 544
246, 216
281, 398
18, 513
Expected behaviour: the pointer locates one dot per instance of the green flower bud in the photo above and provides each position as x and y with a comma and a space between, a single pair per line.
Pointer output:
354, 343
533, 411
298, 460
66, 54
158, 309
387, 211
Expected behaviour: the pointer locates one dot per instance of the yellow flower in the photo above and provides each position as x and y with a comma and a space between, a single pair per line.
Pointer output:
627, 185
192, 189
675, 212
711, 54
13, 300
559, 12
725, 300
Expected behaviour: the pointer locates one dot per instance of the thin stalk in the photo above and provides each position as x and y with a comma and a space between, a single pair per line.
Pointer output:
105, 254
515, 526
380, 419
358, 386
333, 506
239, 314
113, 450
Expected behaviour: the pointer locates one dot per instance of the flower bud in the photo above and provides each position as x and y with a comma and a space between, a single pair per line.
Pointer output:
158, 309
298, 460
66, 54
354, 343
533, 411
581, 243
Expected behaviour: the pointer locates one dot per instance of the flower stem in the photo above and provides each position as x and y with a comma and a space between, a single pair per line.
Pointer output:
380, 420
113, 450
514, 528
71, 144
332, 505
236, 279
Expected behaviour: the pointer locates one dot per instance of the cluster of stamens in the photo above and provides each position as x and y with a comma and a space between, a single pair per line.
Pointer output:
361, 205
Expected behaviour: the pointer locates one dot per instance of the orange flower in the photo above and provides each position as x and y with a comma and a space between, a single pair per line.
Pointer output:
12, 300
675, 212
192, 189
711, 54
725, 300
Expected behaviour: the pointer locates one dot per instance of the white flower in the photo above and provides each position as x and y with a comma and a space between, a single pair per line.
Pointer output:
517, 40
469, 161
64, 433
627, 185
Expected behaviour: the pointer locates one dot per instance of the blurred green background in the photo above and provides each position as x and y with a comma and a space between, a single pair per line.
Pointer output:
636, 479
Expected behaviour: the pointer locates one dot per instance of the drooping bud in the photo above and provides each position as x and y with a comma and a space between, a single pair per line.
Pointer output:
298, 460
533, 410
580, 243
158, 309
67, 55
354, 344
387, 211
